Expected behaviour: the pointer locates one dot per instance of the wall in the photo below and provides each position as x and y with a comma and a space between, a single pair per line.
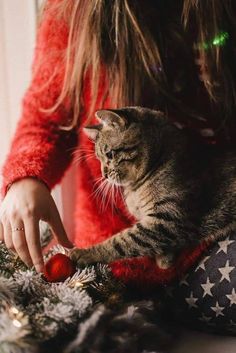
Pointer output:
17, 34
17, 37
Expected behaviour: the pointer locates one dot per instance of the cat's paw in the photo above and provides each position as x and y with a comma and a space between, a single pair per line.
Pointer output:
82, 257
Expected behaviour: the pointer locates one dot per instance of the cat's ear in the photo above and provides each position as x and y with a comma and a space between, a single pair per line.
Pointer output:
92, 131
111, 118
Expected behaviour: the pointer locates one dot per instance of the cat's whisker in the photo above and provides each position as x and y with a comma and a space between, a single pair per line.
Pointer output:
112, 198
74, 149
107, 195
119, 191
103, 197
99, 188
114, 194
104, 194
98, 182
89, 153
85, 150
82, 159
82, 151
99, 179
115, 198
99, 192
84, 154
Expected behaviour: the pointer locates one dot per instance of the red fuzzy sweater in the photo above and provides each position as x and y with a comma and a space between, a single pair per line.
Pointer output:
42, 150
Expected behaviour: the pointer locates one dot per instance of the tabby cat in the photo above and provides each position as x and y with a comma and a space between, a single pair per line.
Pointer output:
181, 191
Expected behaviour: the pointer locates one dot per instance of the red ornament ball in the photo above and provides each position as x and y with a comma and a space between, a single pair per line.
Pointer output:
58, 268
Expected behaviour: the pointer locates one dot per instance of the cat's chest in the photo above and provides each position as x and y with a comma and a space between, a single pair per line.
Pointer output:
135, 205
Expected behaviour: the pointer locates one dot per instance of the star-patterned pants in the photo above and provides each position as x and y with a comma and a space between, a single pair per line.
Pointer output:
206, 297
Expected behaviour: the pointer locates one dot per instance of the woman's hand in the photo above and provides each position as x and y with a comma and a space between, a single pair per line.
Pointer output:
26, 202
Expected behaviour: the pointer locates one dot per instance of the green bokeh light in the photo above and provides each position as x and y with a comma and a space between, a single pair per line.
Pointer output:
220, 39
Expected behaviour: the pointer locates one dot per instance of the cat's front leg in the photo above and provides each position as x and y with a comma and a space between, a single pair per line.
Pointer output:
85, 257
116, 247
139, 240
104, 252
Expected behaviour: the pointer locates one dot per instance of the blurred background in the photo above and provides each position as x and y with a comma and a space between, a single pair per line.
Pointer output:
18, 23
17, 36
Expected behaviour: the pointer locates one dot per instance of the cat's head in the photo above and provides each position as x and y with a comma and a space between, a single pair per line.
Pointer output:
127, 141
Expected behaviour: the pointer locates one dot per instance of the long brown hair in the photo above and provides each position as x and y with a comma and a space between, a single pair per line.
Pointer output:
111, 37
217, 62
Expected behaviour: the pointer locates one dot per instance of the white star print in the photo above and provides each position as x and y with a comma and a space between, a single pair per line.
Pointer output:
225, 271
218, 309
223, 245
232, 297
207, 287
202, 264
205, 318
191, 301
184, 281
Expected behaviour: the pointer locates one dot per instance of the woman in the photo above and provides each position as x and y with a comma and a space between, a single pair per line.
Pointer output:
176, 56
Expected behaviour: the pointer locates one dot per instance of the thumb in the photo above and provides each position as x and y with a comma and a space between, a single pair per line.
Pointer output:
59, 230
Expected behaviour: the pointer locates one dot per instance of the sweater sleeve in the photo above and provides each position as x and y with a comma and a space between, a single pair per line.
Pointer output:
39, 147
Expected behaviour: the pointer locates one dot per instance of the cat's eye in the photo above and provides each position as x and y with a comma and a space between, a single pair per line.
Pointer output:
110, 154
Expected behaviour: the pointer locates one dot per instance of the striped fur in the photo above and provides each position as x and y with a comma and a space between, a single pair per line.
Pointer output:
180, 190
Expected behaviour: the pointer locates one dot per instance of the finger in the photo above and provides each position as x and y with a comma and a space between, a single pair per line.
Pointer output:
1, 232
59, 230
7, 231
33, 243
20, 245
